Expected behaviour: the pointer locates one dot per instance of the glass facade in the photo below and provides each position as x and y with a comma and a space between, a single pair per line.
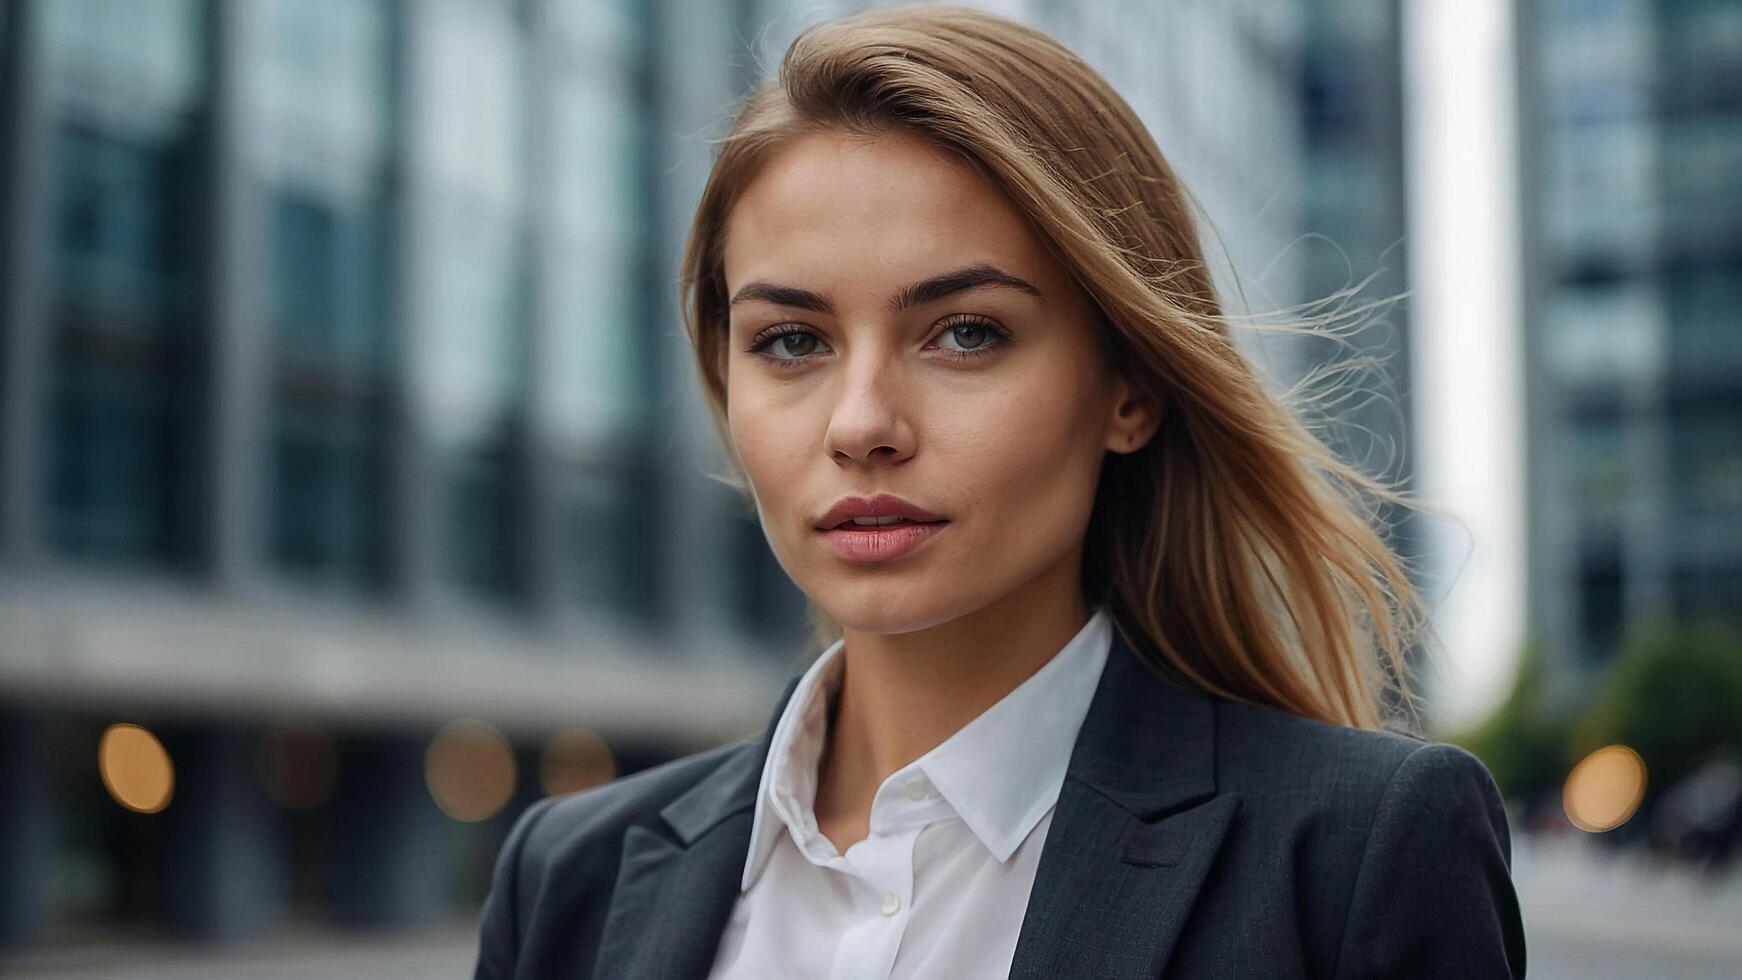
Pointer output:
1601, 330
408, 257
125, 82
443, 223
1702, 301
348, 390
325, 96
594, 381
1634, 124
1705, 461
1599, 449
470, 378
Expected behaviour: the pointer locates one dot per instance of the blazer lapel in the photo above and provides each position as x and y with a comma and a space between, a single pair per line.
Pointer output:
1136, 829
675, 891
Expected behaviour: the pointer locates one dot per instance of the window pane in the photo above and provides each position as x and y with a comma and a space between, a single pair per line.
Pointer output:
471, 371
121, 364
324, 95
144, 52
1600, 469
1706, 319
1706, 459
594, 292
1603, 331
328, 440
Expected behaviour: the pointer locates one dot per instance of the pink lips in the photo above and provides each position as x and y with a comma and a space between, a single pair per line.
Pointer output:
876, 505
872, 544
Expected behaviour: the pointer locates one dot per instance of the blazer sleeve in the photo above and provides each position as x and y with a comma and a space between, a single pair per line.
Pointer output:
500, 929
1433, 894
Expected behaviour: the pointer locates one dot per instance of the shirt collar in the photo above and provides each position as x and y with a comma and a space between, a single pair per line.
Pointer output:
1001, 772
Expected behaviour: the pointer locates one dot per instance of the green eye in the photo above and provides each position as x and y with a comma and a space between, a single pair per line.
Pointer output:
975, 331
788, 340
967, 329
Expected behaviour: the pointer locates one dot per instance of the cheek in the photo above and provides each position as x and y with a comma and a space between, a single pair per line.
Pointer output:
770, 445
1029, 460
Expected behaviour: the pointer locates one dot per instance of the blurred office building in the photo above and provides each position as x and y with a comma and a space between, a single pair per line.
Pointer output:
353, 470
1632, 146
352, 461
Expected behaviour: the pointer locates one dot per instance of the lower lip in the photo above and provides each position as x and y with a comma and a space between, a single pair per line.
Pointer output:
870, 544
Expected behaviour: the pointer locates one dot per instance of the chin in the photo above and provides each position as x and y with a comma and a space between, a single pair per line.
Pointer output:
878, 608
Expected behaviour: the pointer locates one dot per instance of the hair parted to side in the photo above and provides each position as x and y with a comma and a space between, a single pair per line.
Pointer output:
1235, 552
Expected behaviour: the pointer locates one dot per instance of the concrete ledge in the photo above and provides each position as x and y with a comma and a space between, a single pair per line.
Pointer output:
162, 649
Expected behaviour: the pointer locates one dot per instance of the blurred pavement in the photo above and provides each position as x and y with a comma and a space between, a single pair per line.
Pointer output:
302, 952
1593, 914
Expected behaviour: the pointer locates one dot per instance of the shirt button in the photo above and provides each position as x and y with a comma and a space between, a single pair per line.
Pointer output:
916, 789
891, 903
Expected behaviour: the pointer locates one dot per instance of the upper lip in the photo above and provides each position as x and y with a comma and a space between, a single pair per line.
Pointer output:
877, 505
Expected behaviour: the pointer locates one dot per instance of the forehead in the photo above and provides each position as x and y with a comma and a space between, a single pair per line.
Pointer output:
883, 209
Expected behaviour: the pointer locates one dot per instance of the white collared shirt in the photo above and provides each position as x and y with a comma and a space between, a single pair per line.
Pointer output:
940, 885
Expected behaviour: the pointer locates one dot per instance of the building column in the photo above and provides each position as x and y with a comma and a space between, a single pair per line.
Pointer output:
389, 860
237, 363
25, 333
697, 516
224, 874
26, 824
415, 486
540, 534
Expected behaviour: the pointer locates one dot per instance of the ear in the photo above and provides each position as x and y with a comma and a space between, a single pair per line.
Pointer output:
1137, 415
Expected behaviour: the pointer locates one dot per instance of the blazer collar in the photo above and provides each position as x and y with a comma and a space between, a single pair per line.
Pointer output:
729, 789
1138, 817
674, 893
1147, 744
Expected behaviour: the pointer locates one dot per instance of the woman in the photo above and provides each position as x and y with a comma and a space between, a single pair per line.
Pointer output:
1108, 630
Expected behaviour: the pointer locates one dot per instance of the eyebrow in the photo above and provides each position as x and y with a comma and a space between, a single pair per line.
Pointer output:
924, 291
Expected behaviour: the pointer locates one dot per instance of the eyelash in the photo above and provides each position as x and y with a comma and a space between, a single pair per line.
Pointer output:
766, 338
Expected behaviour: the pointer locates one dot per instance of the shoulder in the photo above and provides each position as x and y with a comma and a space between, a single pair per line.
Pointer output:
1262, 748
1377, 821
1338, 794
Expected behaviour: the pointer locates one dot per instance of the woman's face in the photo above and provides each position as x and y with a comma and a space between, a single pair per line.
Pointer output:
853, 369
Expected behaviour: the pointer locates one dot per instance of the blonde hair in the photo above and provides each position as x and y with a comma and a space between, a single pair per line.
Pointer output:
1235, 552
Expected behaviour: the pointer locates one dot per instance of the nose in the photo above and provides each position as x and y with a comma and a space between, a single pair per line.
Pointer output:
870, 417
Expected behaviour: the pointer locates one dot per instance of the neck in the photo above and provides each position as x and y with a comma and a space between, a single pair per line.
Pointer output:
903, 694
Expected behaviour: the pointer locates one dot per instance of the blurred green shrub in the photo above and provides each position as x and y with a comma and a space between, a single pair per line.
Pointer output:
1524, 743
1673, 693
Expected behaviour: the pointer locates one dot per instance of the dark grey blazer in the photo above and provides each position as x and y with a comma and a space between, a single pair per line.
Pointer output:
1194, 837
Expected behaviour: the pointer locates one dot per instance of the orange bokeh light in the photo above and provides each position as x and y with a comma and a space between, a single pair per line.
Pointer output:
470, 770
1604, 789
136, 768
574, 759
